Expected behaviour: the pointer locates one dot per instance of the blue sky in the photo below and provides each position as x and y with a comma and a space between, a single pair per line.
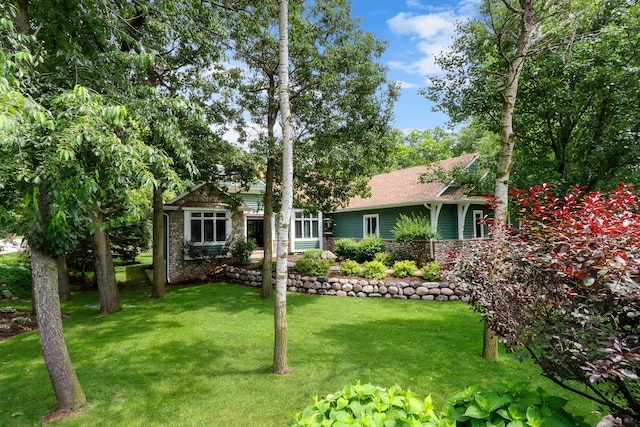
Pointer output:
415, 31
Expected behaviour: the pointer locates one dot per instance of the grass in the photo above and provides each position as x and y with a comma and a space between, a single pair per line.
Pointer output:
202, 355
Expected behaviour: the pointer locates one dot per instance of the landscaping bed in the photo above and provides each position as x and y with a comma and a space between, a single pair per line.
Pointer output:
15, 322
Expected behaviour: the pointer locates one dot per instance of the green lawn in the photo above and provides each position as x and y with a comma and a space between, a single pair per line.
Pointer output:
201, 357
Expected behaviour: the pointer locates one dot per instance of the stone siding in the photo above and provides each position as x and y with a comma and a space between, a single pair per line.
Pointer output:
355, 287
181, 269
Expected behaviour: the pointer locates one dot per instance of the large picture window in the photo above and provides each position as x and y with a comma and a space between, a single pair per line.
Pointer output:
207, 228
306, 226
370, 225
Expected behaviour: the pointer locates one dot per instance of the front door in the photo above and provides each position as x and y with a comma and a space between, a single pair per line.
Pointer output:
255, 231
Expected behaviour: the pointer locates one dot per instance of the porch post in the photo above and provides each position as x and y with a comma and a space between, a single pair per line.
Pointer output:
462, 214
435, 214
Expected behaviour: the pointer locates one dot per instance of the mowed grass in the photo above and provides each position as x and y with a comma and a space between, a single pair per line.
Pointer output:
202, 357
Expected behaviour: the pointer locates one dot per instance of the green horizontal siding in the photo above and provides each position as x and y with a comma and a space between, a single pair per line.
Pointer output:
254, 201
350, 224
468, 220
448, 222
303, 245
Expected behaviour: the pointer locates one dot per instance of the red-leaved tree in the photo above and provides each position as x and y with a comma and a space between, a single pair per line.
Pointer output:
565, 287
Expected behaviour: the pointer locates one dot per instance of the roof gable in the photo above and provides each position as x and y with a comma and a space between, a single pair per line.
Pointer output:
403, 187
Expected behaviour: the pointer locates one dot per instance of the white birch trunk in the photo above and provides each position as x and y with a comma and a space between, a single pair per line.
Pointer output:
515, 65
280, 365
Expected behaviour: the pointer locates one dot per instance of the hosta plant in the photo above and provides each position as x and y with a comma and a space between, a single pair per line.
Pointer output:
367, 405
502, 405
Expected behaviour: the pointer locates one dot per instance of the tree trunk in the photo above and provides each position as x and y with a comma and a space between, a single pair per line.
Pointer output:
280, 365
515, 66
489, 344
66, 386
64, 290
159, 286
267, 269
105, 270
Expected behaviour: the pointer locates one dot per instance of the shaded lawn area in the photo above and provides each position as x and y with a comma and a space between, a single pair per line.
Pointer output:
202, 355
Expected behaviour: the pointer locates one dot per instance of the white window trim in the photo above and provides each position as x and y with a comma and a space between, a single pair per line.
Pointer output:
478, 214
317, 217
364, 224
187, 225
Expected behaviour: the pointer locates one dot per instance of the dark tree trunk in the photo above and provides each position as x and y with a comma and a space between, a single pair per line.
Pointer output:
159, 286
66, 386
105, 270
64, 290
267, 268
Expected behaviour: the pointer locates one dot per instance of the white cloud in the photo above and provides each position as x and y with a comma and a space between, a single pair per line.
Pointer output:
407, 85
430, 34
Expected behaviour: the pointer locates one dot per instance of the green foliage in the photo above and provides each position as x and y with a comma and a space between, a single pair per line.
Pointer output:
242, 250
15, 272
260, 264
349, 268
505, 404
384, 257
345, 248
313, 266
367, 248
20, 320
431, 271
128, 240
404, 268
313, 253
374, 270
366, 405
416, 227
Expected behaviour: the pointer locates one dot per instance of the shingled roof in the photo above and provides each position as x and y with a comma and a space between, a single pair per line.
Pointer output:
403, 187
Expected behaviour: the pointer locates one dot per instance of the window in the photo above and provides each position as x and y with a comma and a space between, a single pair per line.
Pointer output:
206, 228
478, 226
370, 225
306, 226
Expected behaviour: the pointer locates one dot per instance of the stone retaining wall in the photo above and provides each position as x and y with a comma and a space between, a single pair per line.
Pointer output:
355, 287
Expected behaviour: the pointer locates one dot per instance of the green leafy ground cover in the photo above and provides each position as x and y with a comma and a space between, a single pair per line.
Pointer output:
201, 357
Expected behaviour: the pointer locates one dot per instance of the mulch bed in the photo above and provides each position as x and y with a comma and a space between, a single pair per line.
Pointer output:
10, 328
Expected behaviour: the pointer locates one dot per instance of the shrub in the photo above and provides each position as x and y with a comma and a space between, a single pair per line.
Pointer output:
383, 257
313, 253
366, 404
20, 320
374, 270
313, 266
431, 271
349, 268
565, 288
242, 250
260, 264
345, 248
367, 248
404, 268
416, 227
15, 271
504, 404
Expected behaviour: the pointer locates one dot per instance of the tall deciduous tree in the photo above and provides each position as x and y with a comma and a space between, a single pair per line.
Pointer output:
341, 100
280, 365
490, 54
